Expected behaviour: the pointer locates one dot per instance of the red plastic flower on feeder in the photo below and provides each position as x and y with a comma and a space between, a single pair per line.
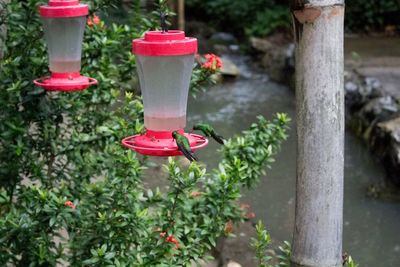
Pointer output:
69, 204
93, 20
212, 63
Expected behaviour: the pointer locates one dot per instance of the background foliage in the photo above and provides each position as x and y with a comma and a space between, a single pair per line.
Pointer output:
372, 15
70, 193
241, 16
264, 17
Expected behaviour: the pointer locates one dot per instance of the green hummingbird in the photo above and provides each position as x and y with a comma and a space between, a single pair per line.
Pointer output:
184, 146
209, 132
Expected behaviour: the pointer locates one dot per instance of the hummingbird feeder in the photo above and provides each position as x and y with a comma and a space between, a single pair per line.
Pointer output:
64, 24
165, 62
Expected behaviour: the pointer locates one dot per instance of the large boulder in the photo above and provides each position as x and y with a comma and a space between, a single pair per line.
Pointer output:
360, 90
386, 144
223, 38
229, 68
379, 109
375, 115
261, 45
277, 59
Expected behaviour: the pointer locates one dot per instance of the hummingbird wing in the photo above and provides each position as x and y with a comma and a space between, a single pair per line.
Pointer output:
188, 154
194, 157
187, 147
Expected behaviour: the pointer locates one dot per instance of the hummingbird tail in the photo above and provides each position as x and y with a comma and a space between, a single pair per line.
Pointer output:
218, 138
194, 157
186, 153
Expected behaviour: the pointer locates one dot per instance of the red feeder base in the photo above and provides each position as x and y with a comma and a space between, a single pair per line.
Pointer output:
161, 144
65, 82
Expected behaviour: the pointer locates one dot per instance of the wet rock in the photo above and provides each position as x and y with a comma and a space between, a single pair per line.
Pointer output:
223, 38
261, 45
278, 60
233, 264
373, 83
386, 144
350, 87
229, 68
388, 76
383, 191
220, 49
234, 48
375, 115
360, 90
379, 109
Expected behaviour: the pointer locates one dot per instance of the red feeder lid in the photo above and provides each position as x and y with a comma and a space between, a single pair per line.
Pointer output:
171, 43
64, 9
161, 144
65, 82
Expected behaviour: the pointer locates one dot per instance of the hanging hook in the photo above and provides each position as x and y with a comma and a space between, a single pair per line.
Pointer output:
164, 25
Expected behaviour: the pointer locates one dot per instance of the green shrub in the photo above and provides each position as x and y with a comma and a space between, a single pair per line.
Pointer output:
265, 256
263, 17
269, 21
237, 16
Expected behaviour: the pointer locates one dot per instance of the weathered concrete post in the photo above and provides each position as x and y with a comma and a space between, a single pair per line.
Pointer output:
317, 240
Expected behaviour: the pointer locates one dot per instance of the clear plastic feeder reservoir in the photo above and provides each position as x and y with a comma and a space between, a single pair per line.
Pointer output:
64, 24
164, 63
165, 88
64, 37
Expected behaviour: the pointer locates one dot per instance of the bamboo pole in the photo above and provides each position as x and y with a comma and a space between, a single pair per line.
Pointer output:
317, 240
181, 14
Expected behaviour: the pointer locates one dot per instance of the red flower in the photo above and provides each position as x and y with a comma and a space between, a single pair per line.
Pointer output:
228, 229
95, 20
172, 239
162, 234
244, 206
69, 204
212, 63
196, 194
250, 215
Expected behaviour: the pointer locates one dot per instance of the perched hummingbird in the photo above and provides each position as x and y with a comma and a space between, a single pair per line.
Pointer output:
164, 24
183, 145
209, 132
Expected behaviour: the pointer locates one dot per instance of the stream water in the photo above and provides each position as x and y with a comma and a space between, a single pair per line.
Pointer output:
371, 227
